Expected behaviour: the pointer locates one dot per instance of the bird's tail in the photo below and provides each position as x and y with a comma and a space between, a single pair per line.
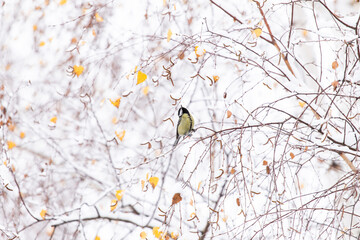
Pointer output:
176, 141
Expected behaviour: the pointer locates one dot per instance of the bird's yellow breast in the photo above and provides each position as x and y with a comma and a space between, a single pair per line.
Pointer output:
186, 124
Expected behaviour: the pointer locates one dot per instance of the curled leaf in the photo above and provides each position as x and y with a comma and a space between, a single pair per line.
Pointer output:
113, 205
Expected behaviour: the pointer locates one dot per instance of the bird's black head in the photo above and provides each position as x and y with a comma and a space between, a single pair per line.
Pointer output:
182, 110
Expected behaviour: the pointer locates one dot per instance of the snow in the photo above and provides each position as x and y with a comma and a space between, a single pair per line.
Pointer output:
271, 170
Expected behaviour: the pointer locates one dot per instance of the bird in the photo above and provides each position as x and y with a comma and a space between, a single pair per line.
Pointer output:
185, 124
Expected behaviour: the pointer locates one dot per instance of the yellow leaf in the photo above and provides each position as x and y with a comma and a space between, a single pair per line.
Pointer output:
116, 102
119, 194
94, 32
292, 155
53, 119
174, 235
169, 34
199, 51
11, 144
225, 218
265, 163
216, 78
199, 185
335, 84
62, 2
114, 120
334, 65
232, 171
302, 104
34, 27
256, 33
22, 135
43, 213
98, 17
228, 113
11, 127
156, 232
78, 70
50, 231
113, 205
142, 184
141, 77
42, 43
154, 181
145, 90
143, 235
147, 176
7, 67
304, 33
97, 238
120, 135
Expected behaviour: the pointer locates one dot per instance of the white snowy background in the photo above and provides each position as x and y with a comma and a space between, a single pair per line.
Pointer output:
273, 87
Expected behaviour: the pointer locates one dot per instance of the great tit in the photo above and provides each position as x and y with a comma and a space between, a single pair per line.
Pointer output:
185, 124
